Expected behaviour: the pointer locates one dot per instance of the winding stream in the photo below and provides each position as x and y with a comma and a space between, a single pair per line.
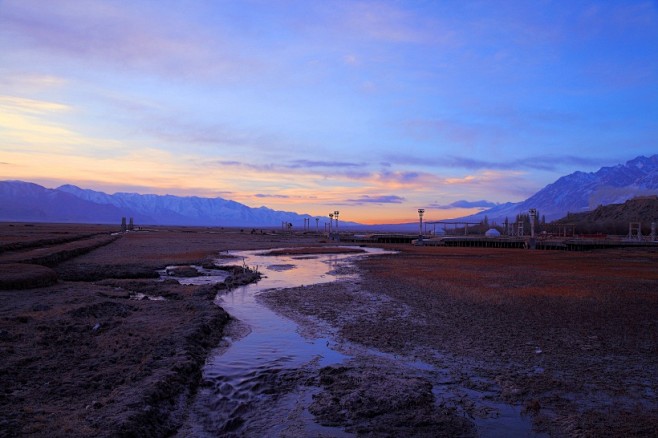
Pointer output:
259, 382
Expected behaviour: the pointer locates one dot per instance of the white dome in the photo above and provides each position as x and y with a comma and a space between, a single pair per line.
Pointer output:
492, 232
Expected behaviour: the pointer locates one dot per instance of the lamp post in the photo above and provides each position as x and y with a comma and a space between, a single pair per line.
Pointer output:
317, 224
331, 221
421, 211
336, 216
533, 218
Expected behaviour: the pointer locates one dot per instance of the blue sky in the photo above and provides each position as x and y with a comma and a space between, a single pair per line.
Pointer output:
375, 108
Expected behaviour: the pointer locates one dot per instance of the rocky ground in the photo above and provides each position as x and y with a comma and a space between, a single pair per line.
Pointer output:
571, 339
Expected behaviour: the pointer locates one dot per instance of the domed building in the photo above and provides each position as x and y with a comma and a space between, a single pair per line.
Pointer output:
492, 232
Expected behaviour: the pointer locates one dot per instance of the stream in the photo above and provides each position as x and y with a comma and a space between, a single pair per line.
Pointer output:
263, 377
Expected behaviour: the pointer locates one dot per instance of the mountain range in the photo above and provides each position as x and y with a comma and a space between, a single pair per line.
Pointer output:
583, 191
580, 191
28, 202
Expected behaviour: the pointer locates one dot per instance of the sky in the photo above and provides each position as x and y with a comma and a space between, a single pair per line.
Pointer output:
372, 108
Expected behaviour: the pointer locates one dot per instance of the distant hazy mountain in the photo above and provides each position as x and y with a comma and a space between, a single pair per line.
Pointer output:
22, 201
575, 193
26, 202
581, 191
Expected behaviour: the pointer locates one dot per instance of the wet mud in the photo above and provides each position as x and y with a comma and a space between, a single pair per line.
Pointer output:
529, 344
85, 349
429, 341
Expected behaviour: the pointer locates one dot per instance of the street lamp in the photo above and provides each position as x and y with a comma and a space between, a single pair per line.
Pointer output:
421, 211
336, 216
331, 221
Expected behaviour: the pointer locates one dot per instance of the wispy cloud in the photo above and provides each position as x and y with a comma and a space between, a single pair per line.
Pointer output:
318, 168
482, 204
36, 125
542, 162
143, 38
538, 162
310, 105
401, 177
296, 164
380, 199
264, 195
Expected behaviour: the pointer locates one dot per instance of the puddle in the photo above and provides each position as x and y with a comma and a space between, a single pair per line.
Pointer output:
261, 381
205, 276
140, 296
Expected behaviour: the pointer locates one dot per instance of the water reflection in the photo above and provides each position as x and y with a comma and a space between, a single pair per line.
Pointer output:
261, 381
266, 369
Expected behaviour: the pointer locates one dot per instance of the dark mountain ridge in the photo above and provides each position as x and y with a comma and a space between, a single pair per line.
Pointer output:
615, 218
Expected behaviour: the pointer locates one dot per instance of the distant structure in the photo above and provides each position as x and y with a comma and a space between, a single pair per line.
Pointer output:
131, 225
454, 224
519, 229
533, 217
331, 222
492, 232
123, 224
635, 231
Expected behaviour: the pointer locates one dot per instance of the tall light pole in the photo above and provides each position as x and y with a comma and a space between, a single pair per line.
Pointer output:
336, 216
317, 224
421, 211
533, 218
331, 221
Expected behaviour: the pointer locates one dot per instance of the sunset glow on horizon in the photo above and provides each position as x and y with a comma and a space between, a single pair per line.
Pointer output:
374, 108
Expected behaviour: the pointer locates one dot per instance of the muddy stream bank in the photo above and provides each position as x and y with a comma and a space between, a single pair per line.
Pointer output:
277, 375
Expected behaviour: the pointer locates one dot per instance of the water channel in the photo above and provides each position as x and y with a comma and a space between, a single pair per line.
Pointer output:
259, 382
